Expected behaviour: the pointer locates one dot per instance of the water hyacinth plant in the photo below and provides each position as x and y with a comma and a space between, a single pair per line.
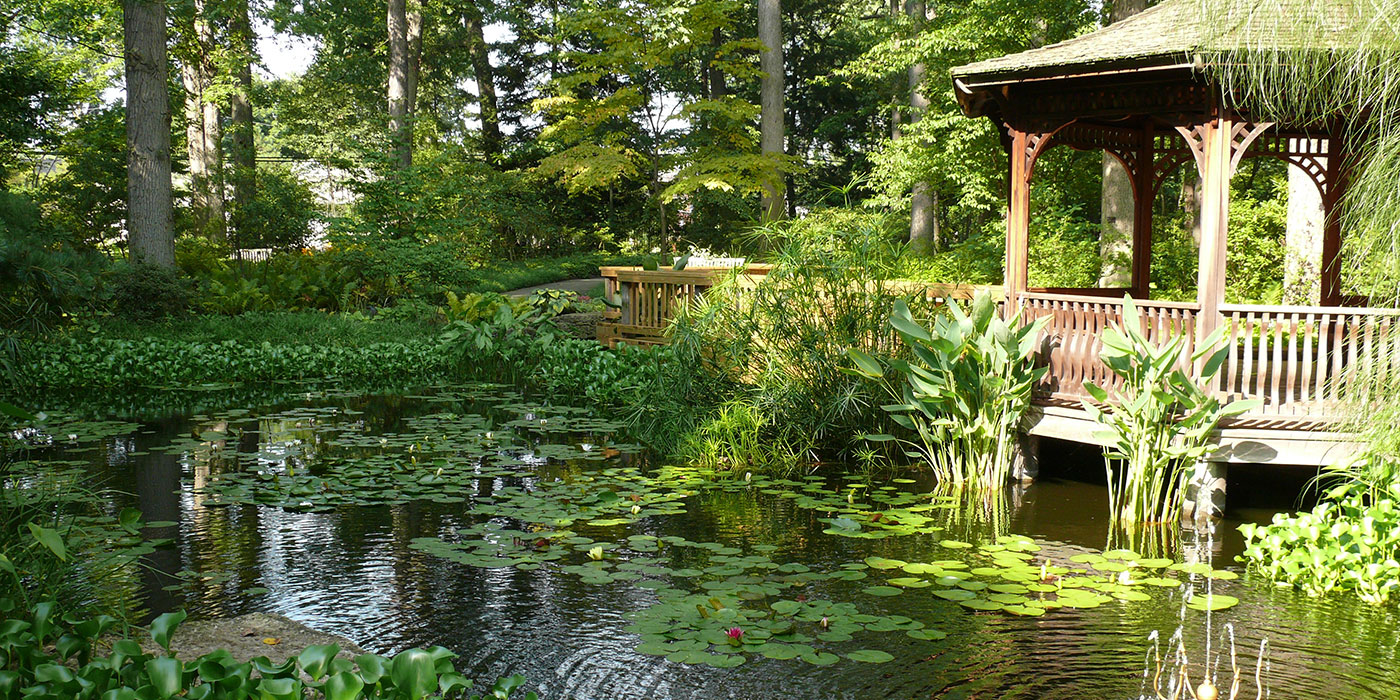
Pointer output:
1160, 421
53, 656
963, 391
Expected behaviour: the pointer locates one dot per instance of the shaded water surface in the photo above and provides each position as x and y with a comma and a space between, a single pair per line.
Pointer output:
351, 570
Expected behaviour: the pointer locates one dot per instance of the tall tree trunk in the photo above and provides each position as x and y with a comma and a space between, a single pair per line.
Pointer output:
244, 152
485, 84
149, 208
770, 62
896, 88
414, 36
714, 75
203, 132
399, 130
923, 210
1302, 264
1116, 198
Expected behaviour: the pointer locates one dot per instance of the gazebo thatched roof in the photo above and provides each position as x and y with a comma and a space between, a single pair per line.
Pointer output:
1170, 34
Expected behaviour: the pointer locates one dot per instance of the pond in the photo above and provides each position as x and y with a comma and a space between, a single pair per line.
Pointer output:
528, 539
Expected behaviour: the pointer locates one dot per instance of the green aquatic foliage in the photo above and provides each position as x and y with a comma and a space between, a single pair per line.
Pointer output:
1159, 421
964, 390
1348, 542
77, 361
481, 306
737, 435
541, 490
48, 655
627, 376
780, 344
59, 538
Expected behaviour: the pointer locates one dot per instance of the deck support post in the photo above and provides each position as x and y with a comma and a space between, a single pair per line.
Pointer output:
1204, 493
1330, 266
1025, 460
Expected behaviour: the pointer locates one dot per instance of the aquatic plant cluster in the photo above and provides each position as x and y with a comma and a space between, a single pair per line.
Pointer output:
46, 655
1346, 543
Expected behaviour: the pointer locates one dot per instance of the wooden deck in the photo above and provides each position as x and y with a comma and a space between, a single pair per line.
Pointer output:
1303, 362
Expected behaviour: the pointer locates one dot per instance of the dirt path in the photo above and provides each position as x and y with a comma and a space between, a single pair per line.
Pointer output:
579, 286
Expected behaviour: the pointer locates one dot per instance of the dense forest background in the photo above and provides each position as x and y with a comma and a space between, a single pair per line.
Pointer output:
431, 139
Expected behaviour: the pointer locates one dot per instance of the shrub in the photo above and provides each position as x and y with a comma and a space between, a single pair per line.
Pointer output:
282, 214
149, 292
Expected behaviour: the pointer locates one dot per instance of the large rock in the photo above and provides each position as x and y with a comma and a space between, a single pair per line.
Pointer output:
581, 325
251, 635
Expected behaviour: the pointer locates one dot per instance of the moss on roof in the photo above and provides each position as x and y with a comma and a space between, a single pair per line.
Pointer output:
1171, 33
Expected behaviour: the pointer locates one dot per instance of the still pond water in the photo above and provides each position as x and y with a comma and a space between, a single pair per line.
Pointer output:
524, 538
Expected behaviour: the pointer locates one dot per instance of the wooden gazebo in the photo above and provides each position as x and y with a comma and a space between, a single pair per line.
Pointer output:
1139, 90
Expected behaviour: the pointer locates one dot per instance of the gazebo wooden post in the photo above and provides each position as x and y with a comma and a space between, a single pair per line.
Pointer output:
1215, 217
1331, 273
1142, 216
1018, 219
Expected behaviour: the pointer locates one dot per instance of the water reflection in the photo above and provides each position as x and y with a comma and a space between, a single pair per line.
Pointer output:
350, 570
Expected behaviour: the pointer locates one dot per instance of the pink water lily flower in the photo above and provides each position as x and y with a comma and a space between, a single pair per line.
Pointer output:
735, 635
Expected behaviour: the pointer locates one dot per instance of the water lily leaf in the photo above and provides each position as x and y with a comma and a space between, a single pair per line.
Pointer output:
820, 658
930, 634
779, 651
955, 594
870, 656
1212, 602
909, 582
1025, 610
979, 604
883, 563
882, 591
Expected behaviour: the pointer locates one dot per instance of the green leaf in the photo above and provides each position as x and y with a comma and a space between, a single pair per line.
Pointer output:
316, 659
163, 627
372, 667
165, 673
343, 686
865, 364
50, 539
414, 674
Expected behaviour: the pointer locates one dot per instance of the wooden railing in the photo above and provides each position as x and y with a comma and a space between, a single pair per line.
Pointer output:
1070, 344
649, 299
1306, 360
1300, 361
